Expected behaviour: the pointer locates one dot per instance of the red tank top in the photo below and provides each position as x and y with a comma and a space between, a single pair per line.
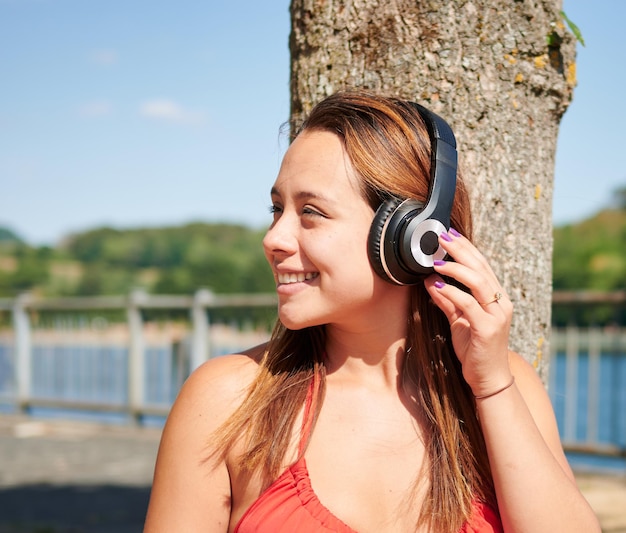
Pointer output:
289, 504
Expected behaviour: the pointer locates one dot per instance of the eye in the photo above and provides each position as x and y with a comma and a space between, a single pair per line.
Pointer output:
275, 208
309, 211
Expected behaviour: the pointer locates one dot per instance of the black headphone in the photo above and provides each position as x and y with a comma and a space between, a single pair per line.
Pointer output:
403, 240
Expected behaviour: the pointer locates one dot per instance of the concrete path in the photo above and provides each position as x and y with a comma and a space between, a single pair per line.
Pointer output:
79, 477
74, 477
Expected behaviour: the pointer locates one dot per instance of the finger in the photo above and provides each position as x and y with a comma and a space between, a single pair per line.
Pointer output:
482, 285
457, 303
462, 309
433, 285
478, 276
464, 252
497, 296
439, 291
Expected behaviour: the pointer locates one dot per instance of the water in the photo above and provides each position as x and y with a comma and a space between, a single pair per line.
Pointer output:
608, 418
98, 373
586, 462
591, 421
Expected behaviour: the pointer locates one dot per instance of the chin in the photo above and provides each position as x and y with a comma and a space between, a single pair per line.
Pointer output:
297, 324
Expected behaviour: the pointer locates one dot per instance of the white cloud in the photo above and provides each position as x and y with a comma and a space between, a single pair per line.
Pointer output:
169, 111
97, 108
104, 57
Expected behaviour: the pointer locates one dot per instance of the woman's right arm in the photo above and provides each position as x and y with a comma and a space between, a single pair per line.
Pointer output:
191, 488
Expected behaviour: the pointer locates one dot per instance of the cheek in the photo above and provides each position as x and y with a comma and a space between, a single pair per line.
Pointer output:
349, 254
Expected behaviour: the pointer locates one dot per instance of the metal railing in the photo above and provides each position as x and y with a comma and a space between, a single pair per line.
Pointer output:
109, 369
136, 367
587, 387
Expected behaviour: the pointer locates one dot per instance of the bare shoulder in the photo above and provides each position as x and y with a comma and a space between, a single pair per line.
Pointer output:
191, 487
227, 370
217, 387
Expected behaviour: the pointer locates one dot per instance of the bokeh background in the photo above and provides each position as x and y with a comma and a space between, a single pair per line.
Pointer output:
151, 112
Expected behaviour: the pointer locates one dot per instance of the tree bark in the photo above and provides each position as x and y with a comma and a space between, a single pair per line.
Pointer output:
502, 74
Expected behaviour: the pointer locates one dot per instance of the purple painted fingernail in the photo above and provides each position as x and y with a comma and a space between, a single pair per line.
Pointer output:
439, 284
446, 237
438, 262
454, 232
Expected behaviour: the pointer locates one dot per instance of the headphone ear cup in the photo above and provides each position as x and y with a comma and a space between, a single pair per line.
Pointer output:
376, 238
403, 242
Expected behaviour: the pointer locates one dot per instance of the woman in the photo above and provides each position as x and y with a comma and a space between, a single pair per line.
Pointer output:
375, 406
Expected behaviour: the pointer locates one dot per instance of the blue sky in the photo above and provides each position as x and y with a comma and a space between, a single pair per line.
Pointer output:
146, 112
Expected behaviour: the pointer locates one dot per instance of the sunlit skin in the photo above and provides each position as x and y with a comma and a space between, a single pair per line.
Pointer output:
366, 451
319, 233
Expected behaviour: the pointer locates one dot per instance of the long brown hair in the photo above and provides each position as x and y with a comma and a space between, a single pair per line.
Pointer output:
389, 148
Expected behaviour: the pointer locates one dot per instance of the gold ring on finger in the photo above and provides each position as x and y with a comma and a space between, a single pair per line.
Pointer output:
496, 299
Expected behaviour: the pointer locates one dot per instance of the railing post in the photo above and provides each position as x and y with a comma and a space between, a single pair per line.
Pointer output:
23, 351
200, 341
593, 386
571, 384
136, 354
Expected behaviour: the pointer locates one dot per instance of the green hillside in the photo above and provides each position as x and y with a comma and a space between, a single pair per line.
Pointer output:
591, 255
9, 236
229, 258
171, 260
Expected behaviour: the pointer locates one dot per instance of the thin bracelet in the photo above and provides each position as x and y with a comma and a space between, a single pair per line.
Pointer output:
498, 391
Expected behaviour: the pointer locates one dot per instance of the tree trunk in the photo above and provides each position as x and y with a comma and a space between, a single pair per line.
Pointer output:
502, 74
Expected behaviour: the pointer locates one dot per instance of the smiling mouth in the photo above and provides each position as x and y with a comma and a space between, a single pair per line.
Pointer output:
293, 277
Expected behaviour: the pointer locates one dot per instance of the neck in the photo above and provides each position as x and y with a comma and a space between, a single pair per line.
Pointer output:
374, 356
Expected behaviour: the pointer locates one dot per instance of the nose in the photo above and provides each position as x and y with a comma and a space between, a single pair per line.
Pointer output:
280, 238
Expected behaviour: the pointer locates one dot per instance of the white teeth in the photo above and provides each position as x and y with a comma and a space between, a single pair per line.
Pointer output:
294, 277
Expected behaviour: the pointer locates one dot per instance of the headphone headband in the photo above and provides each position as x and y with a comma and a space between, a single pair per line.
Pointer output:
403, 241
443, 166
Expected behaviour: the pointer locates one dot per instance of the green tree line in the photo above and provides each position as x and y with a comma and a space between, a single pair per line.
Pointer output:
226, 258
591, 255
172, 260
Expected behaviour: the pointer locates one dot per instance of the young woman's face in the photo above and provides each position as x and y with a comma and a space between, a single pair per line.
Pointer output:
317, 243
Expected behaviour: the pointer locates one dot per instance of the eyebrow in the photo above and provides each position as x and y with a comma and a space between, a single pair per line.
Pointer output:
305, 195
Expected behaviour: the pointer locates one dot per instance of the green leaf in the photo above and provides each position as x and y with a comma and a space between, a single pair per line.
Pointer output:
573, 28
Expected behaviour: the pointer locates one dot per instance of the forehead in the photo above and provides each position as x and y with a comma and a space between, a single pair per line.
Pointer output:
318, 161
